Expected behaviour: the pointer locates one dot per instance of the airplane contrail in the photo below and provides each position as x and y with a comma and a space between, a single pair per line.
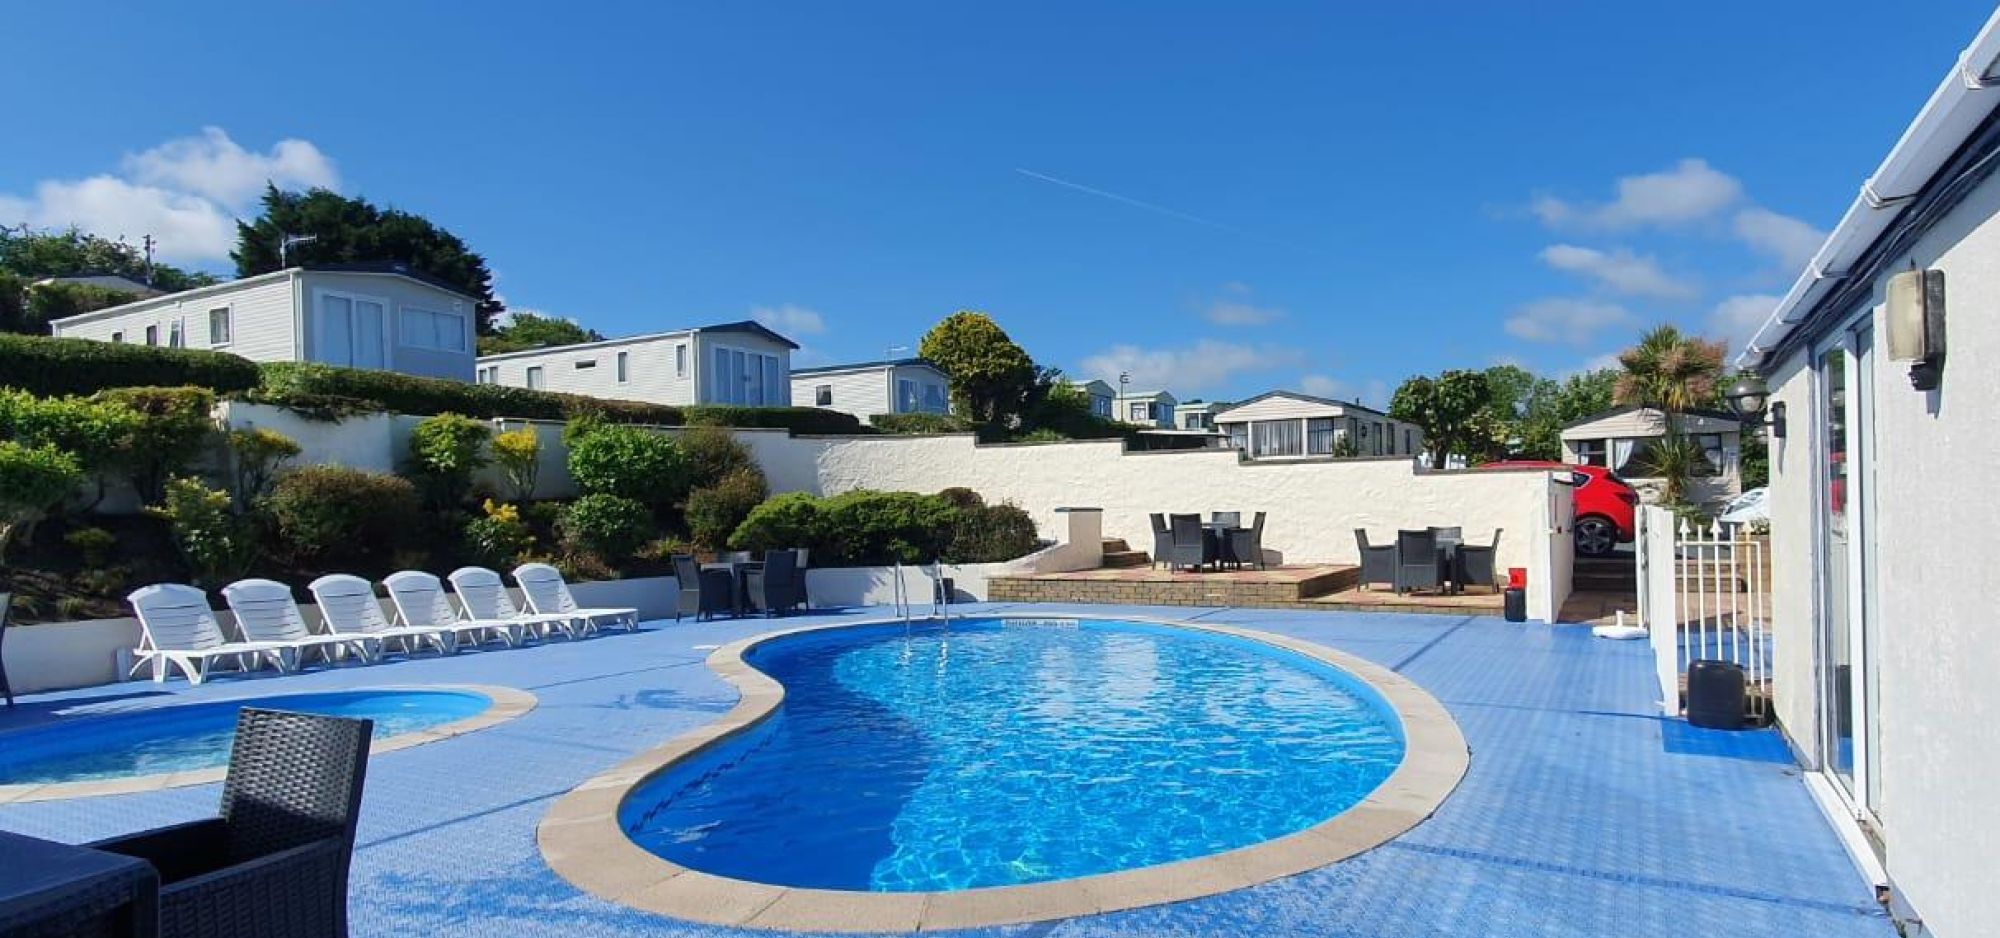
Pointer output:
1154, 208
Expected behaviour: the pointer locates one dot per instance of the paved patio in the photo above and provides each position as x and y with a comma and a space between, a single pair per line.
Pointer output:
1583, 813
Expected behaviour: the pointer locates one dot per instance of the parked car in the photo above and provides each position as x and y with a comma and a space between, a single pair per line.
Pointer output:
1605, 504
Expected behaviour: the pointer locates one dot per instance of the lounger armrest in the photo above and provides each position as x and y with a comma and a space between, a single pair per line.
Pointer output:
298, 890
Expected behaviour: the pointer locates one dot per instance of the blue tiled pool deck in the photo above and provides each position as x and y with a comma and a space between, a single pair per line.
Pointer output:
1583, 814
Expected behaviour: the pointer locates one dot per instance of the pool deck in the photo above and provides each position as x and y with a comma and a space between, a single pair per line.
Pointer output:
1583, 813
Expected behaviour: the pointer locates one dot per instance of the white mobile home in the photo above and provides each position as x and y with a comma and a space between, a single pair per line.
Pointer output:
864, 389
1882, 367
1280, 424
1197, 414
1145, 408
1619, 440
731, 363
1101, 397
384, 316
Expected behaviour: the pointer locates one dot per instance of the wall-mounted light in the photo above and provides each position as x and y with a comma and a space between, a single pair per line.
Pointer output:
1915, 317
1749, 398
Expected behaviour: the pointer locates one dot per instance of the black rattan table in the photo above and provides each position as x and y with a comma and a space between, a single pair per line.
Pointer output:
49, 889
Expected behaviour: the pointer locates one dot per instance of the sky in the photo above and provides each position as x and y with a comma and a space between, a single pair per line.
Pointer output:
1218, 199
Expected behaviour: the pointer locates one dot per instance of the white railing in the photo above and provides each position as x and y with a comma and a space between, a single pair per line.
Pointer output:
1704, 594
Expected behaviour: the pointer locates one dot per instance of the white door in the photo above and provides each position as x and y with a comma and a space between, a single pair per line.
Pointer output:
370, 340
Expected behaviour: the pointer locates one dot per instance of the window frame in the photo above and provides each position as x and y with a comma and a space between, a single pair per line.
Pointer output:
228, 322
406, 336
822, 395
535, 379
681, 360
623, 362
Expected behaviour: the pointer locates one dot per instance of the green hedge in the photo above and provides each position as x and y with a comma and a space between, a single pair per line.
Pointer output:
48, 366
409, 394
866, 528
795, 419
921, 423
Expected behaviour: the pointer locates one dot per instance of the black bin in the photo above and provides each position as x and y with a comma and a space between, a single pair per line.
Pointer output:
1517, 604
1716, 694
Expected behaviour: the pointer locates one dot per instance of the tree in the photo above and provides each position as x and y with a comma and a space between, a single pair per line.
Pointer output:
1553, 405
354, 230
993, 381
1452, 409
30, 256
527, 330
1671, 372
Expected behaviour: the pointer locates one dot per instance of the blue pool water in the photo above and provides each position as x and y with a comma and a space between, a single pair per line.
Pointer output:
1002, 752
196, 736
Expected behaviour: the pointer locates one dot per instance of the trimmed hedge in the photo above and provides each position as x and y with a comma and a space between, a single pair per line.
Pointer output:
921, 423
409, 394
795, 419
50, 367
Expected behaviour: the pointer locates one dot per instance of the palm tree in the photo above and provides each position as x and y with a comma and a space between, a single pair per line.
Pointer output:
1671, 372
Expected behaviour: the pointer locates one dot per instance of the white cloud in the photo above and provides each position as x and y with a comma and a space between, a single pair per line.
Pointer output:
1326, 386
1204, 366
1568, 320
1690, 191
1736, 319
1619, 270
215, 167
185, 228
1599, 363
1235, 309
789, 319
1790, 241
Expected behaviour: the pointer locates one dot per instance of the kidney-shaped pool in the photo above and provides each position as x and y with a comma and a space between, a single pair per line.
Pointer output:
1008, 752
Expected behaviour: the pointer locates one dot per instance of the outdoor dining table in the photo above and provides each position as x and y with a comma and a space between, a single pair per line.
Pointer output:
51, 889
739, 574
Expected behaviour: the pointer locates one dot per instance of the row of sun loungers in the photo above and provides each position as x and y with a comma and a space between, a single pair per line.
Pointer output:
178, 629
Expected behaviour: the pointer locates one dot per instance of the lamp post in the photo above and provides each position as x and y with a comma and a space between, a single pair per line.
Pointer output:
1124, 378
1749, 398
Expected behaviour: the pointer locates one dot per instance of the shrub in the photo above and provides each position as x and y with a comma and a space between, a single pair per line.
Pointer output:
32, 480
991, 534
49, 366
788, 520
337, 513
713, 454
217, 543
519, 454
174, 424
630, 462
795, 419
962, 498
259, 453
408, 394
610, 527
499, 537
93, 543
715, 511
445, 450
863, 528
99, 435
920, 423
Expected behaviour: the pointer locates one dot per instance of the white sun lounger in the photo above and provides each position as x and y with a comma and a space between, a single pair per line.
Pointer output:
421, 602
348, 605
266, 612
177, 629
549, 595
482, 595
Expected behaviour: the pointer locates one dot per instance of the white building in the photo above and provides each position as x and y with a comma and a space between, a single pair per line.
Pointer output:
1101, 396
1279, 424
383, 316
731, 363
1882, 524
1145, 408
902, 386
1197, 414
1618, 439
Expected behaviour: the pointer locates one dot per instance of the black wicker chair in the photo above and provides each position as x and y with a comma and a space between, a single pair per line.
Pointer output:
1230, 518
1475, 563
1192, 544
6, 689
770, 588
1246, 545
800, 597
703, 593
1378, 562
1163, 538
275, 863
1417, 561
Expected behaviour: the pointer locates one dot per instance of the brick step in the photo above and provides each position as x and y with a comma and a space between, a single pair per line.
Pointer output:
1116, 545
1334, 581
1126, 558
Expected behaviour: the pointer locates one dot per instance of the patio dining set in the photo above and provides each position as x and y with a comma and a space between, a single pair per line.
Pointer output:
1185, 542
737, 584
1431, 558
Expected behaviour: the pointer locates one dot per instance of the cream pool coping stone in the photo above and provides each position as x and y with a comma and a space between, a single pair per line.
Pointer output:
507, 703
582, 840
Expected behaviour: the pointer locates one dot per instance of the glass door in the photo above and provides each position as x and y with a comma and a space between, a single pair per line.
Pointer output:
1836, 662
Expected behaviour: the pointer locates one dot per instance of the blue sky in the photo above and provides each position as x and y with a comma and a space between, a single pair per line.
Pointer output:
1221, 198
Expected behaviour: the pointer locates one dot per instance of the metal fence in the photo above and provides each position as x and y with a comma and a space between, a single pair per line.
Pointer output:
1704, 594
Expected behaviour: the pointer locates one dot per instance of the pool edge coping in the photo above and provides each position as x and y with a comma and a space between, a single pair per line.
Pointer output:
581, 839
507, 703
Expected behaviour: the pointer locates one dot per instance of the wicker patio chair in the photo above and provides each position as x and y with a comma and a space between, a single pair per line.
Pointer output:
1163, 538
274, 864
704, 593
1417, 562
799, 578
1230, 518
1246, 545
1475, 563
6, 689
1378, 561
1192, 544
770, 587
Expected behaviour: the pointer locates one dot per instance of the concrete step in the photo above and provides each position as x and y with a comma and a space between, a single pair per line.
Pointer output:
1126, 558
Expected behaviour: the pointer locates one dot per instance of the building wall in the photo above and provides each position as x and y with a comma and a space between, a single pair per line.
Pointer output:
261, 320
651, 371
1938, 652
400, 293
863, 393
704, 367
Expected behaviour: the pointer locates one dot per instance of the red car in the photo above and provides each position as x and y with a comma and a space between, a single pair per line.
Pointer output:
1604, 504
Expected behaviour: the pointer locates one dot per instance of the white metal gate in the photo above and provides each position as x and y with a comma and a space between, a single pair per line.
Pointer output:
1704, 594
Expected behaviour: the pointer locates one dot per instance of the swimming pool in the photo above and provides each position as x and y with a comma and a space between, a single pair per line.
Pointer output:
1009, 752
186, 738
